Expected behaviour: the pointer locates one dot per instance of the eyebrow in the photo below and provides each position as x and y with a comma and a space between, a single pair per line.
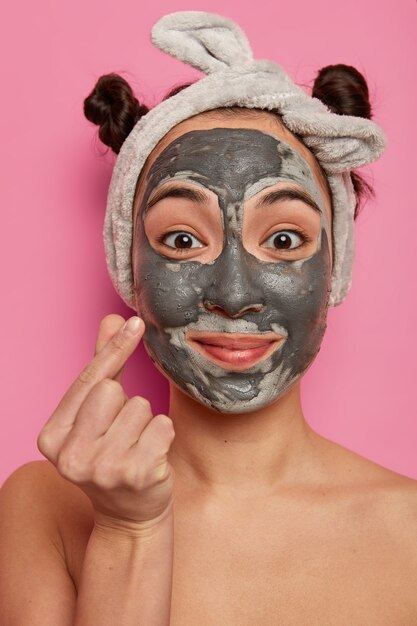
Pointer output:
287, 194
195, 195
177, 191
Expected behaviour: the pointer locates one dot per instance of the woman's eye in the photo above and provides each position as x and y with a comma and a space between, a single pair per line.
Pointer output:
285, 240
180, 240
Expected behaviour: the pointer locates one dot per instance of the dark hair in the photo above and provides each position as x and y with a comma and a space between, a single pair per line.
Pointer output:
114, 108
344, 91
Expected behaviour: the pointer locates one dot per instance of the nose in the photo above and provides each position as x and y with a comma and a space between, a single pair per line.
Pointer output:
234, 289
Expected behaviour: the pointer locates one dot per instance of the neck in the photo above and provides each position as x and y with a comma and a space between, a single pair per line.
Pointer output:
249, 454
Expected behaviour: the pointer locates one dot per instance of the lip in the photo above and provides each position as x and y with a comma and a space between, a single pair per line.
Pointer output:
236, 351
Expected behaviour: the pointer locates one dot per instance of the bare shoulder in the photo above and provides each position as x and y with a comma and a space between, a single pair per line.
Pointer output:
387, 494
43, 487
38, 499
44, 523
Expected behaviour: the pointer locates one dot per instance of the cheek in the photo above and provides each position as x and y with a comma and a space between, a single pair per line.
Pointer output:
168, 294
299, 302
298, 292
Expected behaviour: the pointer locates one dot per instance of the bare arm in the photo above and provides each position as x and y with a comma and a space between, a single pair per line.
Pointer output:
35, 586
127, 576
115, 451
126, 579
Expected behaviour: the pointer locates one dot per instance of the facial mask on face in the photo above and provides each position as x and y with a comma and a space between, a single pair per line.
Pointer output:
175, 297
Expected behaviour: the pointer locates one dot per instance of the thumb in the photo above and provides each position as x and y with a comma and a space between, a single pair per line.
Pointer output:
109, 326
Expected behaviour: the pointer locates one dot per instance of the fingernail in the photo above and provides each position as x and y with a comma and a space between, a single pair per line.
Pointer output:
132, 326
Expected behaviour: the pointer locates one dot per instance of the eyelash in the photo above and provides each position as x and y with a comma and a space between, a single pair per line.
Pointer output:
177, 232
306, 239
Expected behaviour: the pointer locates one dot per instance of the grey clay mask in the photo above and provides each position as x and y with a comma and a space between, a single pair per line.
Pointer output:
256, 296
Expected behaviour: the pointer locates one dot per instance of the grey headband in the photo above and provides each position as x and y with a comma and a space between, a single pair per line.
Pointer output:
219, 48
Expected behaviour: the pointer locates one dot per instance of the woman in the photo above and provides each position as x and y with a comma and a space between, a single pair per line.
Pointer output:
230, 238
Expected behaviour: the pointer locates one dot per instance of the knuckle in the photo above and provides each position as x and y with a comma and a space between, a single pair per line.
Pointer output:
160, 436
72, 466
165, 422
141, 403
166, 433
160, 471
89, 374
45, 443
130, 475
109, 387
109, 384
118, 343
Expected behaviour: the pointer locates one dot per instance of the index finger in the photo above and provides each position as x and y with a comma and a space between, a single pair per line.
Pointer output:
105, 364
108, 327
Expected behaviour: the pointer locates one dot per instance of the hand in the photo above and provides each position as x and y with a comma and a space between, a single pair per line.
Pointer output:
111, 446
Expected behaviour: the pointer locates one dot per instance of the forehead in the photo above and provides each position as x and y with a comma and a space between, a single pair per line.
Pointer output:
263, 121
259, 120
237, 162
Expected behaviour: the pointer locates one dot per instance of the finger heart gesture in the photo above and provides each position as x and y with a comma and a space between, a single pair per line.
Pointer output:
111, 446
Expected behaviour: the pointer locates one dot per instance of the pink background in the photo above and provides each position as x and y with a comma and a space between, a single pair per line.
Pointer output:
360, 392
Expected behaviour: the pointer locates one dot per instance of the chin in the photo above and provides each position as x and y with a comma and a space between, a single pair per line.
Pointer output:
227, 404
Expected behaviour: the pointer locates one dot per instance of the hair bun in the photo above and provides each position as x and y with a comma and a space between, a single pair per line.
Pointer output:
113, 107
343, 89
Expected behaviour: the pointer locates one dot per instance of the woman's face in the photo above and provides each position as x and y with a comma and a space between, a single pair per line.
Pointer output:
232, 259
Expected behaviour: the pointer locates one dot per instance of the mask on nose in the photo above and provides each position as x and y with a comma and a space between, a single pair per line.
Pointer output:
236, 292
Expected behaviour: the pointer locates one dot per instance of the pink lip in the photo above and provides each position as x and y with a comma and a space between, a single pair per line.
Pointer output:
237, 351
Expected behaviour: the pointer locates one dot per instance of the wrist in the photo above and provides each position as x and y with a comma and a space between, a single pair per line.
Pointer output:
113, 528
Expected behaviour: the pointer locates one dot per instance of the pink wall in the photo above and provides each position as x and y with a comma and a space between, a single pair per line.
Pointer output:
360, 392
